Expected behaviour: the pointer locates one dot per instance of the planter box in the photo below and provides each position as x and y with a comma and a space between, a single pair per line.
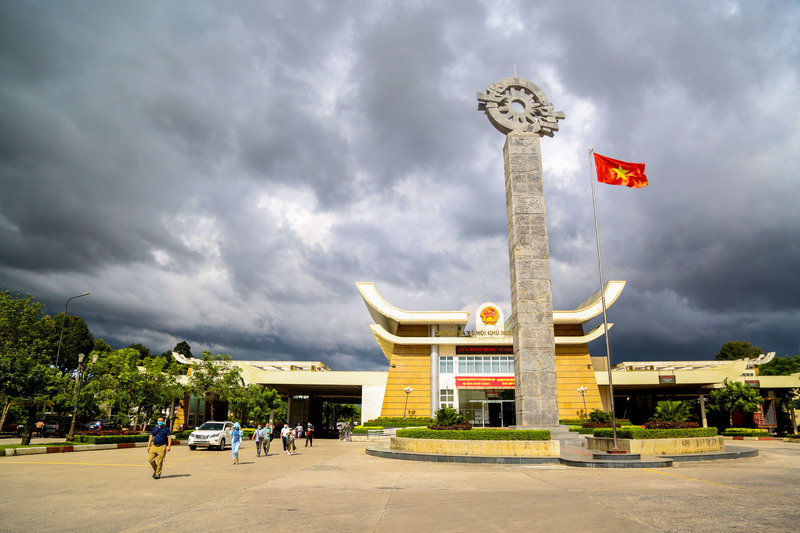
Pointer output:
659, 446
494, 448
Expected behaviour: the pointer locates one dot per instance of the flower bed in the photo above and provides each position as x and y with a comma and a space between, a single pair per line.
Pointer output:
475, 434
643, 441
481, 441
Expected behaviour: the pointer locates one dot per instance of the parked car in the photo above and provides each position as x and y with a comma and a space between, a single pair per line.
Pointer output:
50, 425
211, 435
101, 425
64, 423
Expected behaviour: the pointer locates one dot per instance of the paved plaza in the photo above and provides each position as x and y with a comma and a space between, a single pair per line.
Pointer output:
335, 486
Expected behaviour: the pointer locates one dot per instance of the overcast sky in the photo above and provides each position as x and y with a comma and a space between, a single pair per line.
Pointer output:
225, 172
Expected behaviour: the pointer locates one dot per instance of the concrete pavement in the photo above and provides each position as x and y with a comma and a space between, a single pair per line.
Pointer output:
335, 486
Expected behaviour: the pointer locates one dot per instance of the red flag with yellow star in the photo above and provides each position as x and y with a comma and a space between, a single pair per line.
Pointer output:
616, 172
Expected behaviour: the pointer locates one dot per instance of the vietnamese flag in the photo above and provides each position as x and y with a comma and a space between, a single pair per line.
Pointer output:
616, 172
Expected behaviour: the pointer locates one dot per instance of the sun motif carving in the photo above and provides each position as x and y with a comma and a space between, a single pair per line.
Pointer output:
517, 105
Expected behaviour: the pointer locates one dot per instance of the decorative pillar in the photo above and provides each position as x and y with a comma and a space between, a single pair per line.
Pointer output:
703, 410
434, 372
519, 109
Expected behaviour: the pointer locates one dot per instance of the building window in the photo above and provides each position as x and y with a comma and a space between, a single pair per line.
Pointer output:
445, 365
446, 398
503, 364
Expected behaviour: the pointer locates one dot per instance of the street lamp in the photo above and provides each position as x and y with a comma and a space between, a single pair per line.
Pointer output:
78, 384
582, 391
64, 323
408, 391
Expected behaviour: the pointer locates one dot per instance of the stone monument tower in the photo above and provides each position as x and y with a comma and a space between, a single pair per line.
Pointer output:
521, 111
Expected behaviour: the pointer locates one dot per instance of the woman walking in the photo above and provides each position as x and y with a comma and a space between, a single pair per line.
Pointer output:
236, 441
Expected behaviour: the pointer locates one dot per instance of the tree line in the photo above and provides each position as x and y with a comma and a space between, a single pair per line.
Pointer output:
132, 383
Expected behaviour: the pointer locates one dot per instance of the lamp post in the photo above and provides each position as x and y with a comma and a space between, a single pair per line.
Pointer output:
408, 391
64, 323
582, 391
78, 380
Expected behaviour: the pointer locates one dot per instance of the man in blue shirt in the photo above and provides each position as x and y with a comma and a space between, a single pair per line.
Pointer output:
159, 443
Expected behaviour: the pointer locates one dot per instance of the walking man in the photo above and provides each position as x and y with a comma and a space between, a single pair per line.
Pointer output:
310, 435
284, 437
258, 435
159, 443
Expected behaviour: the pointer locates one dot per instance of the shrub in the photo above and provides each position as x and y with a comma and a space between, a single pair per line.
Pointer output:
636, 432
665, 424
745, 432
598, 424
363, 430
447, 416
399, 422
598, 415
475, 434
459, 427
572, 421
669, 411
111, 439
183, 435
581, 430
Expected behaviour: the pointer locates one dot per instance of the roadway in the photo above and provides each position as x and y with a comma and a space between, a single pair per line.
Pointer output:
335, 486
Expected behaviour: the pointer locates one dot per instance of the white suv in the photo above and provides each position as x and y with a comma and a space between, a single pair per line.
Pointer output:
211, 434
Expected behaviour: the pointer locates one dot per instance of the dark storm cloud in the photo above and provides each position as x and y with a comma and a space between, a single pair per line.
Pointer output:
225, 173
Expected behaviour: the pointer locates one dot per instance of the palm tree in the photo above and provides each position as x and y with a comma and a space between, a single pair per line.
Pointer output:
668, 411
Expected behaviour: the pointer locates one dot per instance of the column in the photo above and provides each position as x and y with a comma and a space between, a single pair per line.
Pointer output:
531, 298
434, 372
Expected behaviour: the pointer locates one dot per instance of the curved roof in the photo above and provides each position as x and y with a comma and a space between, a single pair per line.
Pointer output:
389, 316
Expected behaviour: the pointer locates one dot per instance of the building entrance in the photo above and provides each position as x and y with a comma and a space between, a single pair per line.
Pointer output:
488, 407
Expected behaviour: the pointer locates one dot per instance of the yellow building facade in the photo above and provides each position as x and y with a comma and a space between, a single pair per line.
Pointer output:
435, 361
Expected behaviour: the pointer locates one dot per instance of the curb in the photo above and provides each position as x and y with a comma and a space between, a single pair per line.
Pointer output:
730, 437
80, 448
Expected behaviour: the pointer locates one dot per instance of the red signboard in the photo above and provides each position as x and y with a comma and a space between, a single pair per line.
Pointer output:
485, 382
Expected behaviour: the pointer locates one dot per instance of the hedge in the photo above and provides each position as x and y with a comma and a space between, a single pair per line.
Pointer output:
474, 434
399, 422
581, 430
581, 421
636, 432
183, 435
363, 430
111, 439
745, 432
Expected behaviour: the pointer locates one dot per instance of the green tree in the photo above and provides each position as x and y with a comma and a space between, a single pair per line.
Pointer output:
734, 397
101, 346
673, 411
27, 377
780, 366
252, 402
115, 382
213, 378
77, 339
733, 350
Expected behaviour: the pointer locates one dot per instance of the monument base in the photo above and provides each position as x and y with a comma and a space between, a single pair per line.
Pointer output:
558, 432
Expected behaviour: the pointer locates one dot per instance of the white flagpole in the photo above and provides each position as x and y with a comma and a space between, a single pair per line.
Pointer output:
603, 299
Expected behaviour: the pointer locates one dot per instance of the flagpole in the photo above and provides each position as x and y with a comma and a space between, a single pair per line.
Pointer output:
603, 299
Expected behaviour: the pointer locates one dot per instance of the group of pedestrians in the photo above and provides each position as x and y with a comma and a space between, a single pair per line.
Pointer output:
160, 441
290, 436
